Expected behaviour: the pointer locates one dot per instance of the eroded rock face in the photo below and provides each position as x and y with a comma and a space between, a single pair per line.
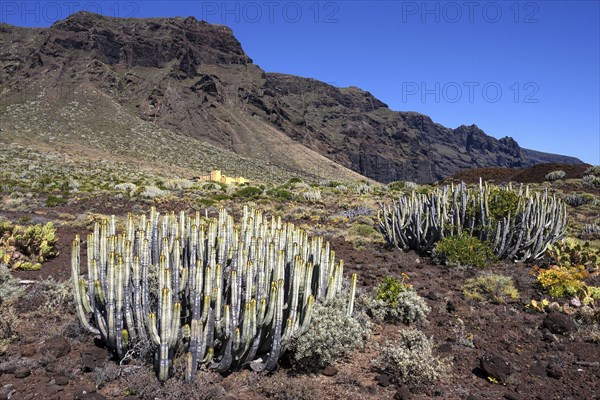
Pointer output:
194, 78
152, 42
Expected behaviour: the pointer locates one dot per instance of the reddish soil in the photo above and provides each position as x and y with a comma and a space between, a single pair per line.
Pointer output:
64, 363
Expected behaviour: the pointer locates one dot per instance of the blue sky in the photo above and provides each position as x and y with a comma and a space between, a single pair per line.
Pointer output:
526, 69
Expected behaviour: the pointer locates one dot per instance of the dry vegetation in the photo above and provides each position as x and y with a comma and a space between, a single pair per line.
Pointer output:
431, 336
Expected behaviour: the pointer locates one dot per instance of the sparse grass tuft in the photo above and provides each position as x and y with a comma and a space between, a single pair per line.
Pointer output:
490, 287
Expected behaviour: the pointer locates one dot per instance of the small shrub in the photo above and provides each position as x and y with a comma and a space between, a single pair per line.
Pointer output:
563, 280
555, 175
591, 177
151, 192
58, 295
490, 287
409, 308
411, 185
363, 230
206, 202
10, 288
212, 185
463, 250
221, 197
397, 301
177, 184
395, 185
10, 292
593, 171
249, 192
390, 288
410, 360
331, 336
503, 202
8, 323
53, 201
591, 181
577, 199
126, 187
281, 194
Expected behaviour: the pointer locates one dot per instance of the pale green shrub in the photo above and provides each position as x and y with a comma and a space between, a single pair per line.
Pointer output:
408, 308
178, 184
331, 336
555, 175
410, 360
126, 187
151, 192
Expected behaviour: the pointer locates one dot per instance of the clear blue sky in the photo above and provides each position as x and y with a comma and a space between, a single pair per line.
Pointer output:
526, 69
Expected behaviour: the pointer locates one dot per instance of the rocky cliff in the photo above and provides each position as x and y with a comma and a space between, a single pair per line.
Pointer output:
194, 78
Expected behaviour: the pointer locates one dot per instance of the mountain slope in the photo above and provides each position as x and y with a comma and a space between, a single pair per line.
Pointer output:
194, 80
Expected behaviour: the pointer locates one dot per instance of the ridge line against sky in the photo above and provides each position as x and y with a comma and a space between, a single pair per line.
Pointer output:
525, 69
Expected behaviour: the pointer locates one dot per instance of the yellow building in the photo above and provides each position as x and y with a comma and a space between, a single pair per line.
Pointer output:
217, 176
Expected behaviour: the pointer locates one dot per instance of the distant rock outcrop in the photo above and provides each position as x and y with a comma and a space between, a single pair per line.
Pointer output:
194, 78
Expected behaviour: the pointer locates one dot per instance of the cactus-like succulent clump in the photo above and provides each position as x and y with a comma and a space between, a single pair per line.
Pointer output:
579, 199
591, 177
226, 295
555, 175
521, 232
26, 247
572, 252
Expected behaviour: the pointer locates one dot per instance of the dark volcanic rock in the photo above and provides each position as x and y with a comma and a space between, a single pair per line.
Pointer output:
558, 323
56, 347
403, 394
330, 370
92, 358
22, 372
495, 366
384, 380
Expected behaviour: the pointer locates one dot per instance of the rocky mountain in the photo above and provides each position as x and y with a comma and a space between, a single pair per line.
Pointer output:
194, 80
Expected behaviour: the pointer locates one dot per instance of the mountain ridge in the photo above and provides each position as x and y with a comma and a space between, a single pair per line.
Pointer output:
194, 78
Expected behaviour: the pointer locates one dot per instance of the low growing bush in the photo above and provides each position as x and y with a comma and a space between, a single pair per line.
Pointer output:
410, 360
577, 199
397, 301
555, 175
591, 177
53, 201
563, 280
463, 250
249, 192
151, 192
490, 287
331, 336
